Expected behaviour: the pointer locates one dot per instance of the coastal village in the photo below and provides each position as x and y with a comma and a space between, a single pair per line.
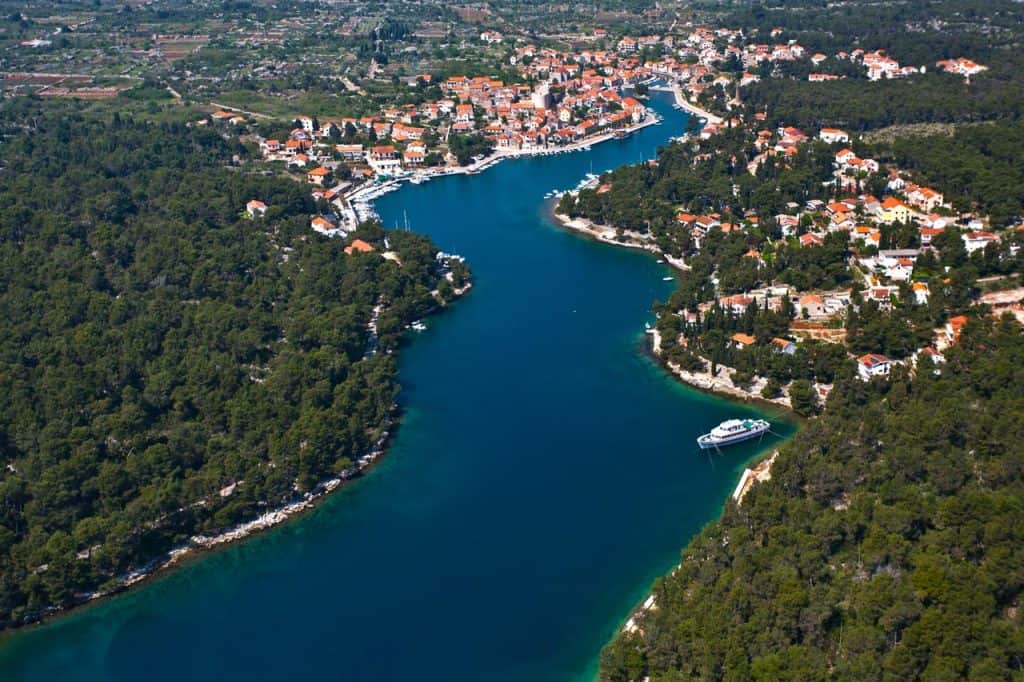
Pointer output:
576, 101
566, 101
561, 101
883, 275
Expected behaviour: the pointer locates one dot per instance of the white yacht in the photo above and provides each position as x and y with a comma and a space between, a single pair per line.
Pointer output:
733, 431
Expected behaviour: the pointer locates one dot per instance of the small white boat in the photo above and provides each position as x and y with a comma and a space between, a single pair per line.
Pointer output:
667, 279
418, 326
733, 431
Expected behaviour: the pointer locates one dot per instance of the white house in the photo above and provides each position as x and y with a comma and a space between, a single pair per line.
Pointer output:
325, 225
978, 240
921, 292
833, 135
256, 208
871, 365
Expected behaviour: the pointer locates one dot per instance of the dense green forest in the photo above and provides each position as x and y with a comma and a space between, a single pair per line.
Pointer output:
915, 34
159, 347
886, 546
860, 105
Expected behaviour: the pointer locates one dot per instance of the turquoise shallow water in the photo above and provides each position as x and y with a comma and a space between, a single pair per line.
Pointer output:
544, 473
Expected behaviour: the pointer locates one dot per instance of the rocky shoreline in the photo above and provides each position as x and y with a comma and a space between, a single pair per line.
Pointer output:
198, 544
610, 235
720, 383
759, 472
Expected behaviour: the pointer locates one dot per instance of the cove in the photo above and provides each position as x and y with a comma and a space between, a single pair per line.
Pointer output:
544, 474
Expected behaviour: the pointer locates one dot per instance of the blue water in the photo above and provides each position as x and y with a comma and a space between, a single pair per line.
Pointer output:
544, 474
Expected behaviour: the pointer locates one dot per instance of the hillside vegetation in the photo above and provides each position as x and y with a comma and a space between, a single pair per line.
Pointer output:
168, 365
887, 544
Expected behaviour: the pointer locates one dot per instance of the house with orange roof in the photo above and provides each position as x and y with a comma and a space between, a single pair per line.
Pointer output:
973, 241
319, 175
899, 269
873, 365
737, 304
925, 198
358, 246
812, 304
895, 211
350, 152
323, 225
932, 354
255, 208
842, 222
784, 346
837, 207
936, 221
743, 340
707, 222
882, 295
788, 224
809, 239
844, 156
921, 292
960, 65
413, 157
833, 135
954, 327
756, 255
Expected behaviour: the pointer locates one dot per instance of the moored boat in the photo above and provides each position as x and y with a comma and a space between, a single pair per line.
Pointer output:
733, 431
